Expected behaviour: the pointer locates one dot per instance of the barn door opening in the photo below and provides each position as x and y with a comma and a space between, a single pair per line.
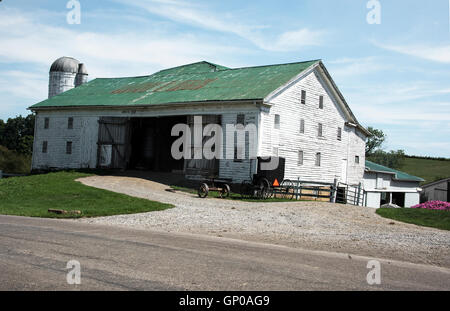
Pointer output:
151, 142
112, 143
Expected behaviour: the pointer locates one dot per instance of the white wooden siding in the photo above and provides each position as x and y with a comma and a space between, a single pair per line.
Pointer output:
83, 137
289, 140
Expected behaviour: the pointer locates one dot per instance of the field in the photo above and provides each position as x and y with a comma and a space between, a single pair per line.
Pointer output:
421, 217
34, 195
429, 169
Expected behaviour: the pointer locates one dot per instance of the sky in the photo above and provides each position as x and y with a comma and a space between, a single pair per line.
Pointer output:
395, 74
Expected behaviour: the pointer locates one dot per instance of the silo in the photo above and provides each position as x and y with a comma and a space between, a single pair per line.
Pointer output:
65, 74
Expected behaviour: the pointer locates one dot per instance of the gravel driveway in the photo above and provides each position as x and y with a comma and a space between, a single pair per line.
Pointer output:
310, 225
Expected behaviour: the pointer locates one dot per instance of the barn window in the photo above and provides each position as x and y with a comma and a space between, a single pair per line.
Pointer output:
69, 147
321, 102
44, 146
318, 158
46, 123
277, 121
320, 130
303, 98
238, 154
302, 126
275, 152
300, 157
339, 133
356, 159
240, 119
70, 123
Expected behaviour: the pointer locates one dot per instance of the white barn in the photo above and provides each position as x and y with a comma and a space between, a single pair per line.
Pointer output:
125, 123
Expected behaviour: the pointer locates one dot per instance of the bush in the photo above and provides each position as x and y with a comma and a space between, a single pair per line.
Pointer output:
434, 205
14, 163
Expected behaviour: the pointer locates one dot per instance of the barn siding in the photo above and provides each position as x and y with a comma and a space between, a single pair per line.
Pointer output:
83, 137
228, 168
289, 140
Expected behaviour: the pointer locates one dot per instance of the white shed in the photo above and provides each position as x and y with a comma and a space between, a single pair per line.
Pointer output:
384, 185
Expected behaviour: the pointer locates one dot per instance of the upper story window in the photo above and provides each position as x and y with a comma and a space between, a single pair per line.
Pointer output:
302, 126
303, 101
320, 130
69, 147
356, 159
70, 123
240, 119
321, 102
300, 157
339, 133
44, 147
277, 121
318, 158
46, 123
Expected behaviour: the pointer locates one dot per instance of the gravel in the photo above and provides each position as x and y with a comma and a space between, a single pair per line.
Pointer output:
310, 225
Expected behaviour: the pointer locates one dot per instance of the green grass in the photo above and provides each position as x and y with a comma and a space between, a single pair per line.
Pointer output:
421, 217
429, 169
233, 196
34, 195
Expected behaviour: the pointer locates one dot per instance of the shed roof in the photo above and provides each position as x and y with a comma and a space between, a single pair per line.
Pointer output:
374, 167
198, 82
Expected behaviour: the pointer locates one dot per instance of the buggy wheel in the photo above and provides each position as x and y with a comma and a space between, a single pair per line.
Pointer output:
263, 189
287, 189
203, 191
225, 192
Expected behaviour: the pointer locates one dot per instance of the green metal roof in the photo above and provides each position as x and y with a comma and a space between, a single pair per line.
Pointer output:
198, 82
371, 166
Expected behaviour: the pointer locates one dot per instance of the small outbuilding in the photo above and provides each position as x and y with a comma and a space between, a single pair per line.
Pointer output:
385, 185
437, 191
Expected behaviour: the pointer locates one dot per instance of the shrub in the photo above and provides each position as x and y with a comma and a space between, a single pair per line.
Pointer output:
434, 205
14, 163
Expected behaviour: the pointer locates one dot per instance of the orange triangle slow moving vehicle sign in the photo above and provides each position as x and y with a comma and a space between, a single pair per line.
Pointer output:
276, 183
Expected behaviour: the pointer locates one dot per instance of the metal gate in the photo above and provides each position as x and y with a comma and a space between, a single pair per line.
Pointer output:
113, 138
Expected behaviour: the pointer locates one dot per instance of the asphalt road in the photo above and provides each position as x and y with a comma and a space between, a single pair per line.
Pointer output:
34, 254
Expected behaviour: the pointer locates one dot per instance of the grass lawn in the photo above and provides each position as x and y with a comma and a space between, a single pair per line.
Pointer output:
428, 169
421, 217
34, 195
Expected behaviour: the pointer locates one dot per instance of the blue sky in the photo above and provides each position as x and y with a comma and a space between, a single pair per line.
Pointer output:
395, 75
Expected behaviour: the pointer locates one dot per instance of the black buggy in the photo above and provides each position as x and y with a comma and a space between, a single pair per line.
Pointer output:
268, 183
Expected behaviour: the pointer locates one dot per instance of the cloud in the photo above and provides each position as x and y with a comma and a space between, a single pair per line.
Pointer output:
355, 67
434, 53
189, 14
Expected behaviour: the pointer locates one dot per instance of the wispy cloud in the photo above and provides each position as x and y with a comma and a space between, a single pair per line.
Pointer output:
193, 15
434, 53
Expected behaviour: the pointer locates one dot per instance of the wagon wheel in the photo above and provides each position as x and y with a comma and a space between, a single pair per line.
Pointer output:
246, 189
263, 189
225, 192
203, 191
287, 189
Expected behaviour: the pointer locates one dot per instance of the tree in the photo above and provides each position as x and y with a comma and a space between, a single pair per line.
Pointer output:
375, 141
392, 159
17, 134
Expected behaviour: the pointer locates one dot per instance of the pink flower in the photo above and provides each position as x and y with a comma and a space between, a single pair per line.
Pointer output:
434, 205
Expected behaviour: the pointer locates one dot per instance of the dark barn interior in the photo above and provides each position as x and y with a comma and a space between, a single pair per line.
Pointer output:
151, 142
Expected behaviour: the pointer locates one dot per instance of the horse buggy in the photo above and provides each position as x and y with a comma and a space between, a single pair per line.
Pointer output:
268, 183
